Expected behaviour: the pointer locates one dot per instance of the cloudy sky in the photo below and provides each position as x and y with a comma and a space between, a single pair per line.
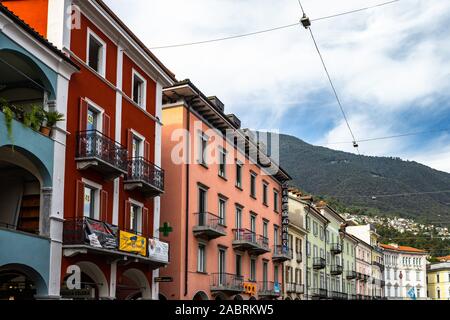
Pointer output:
390, 65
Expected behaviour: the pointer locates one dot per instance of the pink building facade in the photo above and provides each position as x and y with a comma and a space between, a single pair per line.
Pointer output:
225, 209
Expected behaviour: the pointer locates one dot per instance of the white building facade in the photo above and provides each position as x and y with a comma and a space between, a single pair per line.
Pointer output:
405, 273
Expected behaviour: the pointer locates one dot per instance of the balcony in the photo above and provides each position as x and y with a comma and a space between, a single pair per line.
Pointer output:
336, 270
319, 263
335, 248
295, 288
89, 236
97, 151
379, 265
352, 297
269, 289
363, 297
319, 293
247, 240
336, 295
225, 282
351, 275
144, 176
209, 226
281, 254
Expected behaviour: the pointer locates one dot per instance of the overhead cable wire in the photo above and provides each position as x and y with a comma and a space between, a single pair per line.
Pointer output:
266, 30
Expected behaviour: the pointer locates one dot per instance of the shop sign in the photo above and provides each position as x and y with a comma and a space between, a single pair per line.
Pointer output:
158, 250
130, 242
285, 217
164, 279
250, 288
100, 234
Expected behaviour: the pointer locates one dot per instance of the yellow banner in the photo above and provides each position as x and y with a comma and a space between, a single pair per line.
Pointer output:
130, 242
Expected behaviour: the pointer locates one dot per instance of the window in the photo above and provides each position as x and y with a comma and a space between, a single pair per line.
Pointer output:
275, 274
417, 276
92, 119
275, 235
90, 194
136, 218
201, 261
203, 144
96, 53
239, 175
202, 205
238, 222
265, 187
252, 270
253, 185
298, 248
238, 265
437, 278
139, 89
315, 251
327, 236
276, 203
222, 163
308, 223
222, 210
321, 233
315, 228
265, 229
265, 272
253, 226
137, 147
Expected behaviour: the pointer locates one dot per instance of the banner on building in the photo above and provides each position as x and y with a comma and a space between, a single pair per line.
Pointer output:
285, 217
100, 234
158, 250
130, 242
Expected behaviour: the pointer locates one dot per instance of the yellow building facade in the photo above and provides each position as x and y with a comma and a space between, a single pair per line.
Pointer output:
438, 276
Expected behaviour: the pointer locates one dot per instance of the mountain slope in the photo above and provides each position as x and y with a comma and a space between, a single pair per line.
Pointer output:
325, 172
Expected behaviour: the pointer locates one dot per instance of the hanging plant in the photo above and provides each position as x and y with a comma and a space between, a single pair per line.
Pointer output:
9, 116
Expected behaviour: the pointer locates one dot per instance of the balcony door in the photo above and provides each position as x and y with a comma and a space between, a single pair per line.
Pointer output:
92, 119
253, 227
265, 274
238, 223
222, 275
202, 196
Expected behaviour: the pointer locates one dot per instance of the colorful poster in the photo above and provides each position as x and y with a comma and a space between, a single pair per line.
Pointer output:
158, 250
130, 242
100, 235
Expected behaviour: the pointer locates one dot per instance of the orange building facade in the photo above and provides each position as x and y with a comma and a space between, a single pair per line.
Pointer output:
224, 207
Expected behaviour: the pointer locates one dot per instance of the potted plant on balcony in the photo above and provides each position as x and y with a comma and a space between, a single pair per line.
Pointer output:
9, 116
34, 118
52, 117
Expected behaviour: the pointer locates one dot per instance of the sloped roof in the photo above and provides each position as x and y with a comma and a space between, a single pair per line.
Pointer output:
402, 248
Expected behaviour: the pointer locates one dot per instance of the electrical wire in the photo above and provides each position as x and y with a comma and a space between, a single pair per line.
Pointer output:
267, 30
390, 137
24, 75
333, 88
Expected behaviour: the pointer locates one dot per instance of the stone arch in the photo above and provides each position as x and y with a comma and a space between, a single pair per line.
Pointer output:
32, 274
200, 295
39, 77
141, 281
96, 274
253, 298
238, 297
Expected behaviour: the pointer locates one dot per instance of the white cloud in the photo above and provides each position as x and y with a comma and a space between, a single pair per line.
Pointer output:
382, 60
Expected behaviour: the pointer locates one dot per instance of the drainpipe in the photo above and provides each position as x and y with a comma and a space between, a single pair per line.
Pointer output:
306, 251
186, 247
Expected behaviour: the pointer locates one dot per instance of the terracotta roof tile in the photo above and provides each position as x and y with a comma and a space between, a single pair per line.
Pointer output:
402, 248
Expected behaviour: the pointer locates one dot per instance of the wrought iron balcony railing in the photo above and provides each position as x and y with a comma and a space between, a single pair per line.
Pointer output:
336, 270
295, 288
144, 175
100, 152
269, 289
318, 293
248, 240
281, 253
209, 226
319, 263
336, 248
227, 282
351, 275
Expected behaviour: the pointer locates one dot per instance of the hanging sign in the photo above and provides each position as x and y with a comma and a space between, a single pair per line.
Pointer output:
285, 217
158, 250
130, 242
100, 234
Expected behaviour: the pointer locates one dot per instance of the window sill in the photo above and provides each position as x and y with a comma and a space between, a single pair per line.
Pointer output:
222, 177
203, 273
204, 165
239, 187
265, 205
253, 197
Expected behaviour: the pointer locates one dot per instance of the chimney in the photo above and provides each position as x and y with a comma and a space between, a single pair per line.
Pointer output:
217, 103
235, 120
